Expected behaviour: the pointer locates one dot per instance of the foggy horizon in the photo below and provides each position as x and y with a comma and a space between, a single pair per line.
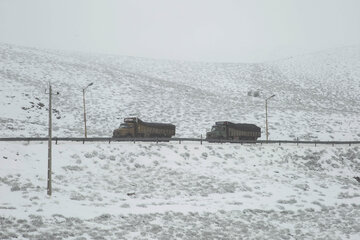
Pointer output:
206, 31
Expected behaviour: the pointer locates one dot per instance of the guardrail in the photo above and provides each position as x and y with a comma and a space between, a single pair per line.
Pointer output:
107, 139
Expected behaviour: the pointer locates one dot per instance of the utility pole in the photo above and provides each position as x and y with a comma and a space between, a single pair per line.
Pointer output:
84, 112
84, 107
49, 172
49, 188
266, 116
266, 121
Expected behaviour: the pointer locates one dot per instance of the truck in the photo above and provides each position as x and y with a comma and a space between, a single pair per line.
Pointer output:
134, 127
234, 131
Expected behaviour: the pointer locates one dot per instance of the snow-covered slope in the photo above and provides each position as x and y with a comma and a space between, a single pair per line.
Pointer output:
179, 191
187, 190
316, 95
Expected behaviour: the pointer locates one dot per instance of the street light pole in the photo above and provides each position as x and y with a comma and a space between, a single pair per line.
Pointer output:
84, 107
266, 116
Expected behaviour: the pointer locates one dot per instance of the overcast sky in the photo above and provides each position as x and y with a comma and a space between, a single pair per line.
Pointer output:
197, 30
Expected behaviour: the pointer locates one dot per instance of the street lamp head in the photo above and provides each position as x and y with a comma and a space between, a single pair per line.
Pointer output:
90, 84
270, 97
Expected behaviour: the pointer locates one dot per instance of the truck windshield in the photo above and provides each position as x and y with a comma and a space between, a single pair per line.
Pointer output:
125, 125
215, 128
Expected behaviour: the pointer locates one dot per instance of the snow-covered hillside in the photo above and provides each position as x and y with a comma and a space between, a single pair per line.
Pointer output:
316, 95
188, 190
179, 191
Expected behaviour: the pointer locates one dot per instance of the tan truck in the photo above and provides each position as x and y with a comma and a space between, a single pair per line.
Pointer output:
134, 127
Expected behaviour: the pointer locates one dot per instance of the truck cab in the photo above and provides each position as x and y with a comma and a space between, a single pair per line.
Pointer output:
127, 129
217, 132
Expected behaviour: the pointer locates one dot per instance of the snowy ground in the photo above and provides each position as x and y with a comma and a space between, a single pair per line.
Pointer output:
180, 191
188, 190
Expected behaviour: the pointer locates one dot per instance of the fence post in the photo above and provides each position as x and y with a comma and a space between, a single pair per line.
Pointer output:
56, 140
201, 139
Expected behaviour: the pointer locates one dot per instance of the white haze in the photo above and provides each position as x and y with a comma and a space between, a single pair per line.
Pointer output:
221, 31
